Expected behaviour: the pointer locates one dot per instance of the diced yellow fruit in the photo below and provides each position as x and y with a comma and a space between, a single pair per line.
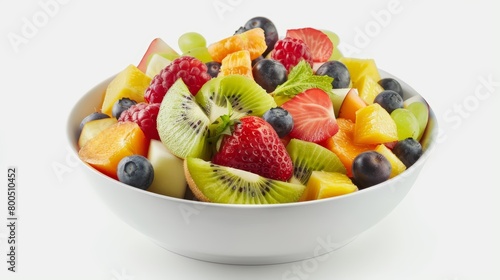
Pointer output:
374, 125
359, 67
397, 165
111, 145
324, 184
130, 82
92, 128
368, 88
169, 176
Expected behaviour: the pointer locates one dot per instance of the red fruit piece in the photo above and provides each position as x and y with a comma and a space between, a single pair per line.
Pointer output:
144, 114
313, 116
157, 46
191, 70
289, 51
254, 146
318, 42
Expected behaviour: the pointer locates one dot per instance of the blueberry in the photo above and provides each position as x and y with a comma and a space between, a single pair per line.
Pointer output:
136, 171
389, 100
370, 168
338, 71
270, 31
408, 151
121, 105
280, 120
93, 116
269, 74
391, 84
213, 68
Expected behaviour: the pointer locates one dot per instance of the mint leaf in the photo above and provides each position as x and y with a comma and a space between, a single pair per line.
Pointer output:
301, 78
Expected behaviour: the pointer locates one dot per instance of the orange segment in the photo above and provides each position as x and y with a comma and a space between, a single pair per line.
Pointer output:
374, 126
342, 144
252, 40
105, 150
237, 63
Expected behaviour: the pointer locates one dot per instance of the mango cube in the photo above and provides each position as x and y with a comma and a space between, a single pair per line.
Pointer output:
130, 82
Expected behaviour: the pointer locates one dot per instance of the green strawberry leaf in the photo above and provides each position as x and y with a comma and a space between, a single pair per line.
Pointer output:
224, 125
301, 78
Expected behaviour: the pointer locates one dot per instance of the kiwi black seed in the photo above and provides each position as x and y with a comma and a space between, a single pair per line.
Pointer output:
182, 123
184, 120
308, 157
220, 184
243, 94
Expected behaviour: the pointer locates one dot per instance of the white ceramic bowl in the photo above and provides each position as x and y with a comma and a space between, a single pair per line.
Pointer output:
248, 234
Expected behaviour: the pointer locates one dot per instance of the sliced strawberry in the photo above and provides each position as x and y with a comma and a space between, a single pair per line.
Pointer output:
318, 42
313, 116
254, 146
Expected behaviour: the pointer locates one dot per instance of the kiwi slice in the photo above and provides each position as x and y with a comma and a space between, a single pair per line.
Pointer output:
243, 94
221, 184
184, 120
182, 124
308, 157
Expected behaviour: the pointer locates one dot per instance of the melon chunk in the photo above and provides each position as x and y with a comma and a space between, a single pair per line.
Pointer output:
169, 177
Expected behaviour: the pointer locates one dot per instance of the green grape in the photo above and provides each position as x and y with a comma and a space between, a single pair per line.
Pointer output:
191, 40
421, 112
200, 53
406, 123
336, 54
333, 37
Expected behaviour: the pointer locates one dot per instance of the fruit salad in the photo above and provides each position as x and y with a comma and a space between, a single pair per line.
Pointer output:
256, 117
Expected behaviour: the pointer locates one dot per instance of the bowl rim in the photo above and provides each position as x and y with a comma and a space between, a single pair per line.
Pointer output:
433, 131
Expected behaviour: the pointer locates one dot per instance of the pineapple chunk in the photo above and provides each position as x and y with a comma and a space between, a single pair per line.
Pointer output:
368, 89
359, 67
396, 164
324, 184
130, 82
374, 126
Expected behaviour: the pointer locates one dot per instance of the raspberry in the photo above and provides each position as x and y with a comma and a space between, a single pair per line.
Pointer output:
192, 71
144, 114
289, 51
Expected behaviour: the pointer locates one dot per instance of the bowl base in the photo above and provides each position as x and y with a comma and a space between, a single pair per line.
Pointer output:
258, 260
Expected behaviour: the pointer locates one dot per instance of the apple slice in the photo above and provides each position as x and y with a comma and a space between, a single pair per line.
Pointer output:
156, 64
169, 177
338, 95
157, 46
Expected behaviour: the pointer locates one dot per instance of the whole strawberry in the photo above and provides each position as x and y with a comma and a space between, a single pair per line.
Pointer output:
144, 114
254, 146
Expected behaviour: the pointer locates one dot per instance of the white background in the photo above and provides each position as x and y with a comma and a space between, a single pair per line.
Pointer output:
447, 228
